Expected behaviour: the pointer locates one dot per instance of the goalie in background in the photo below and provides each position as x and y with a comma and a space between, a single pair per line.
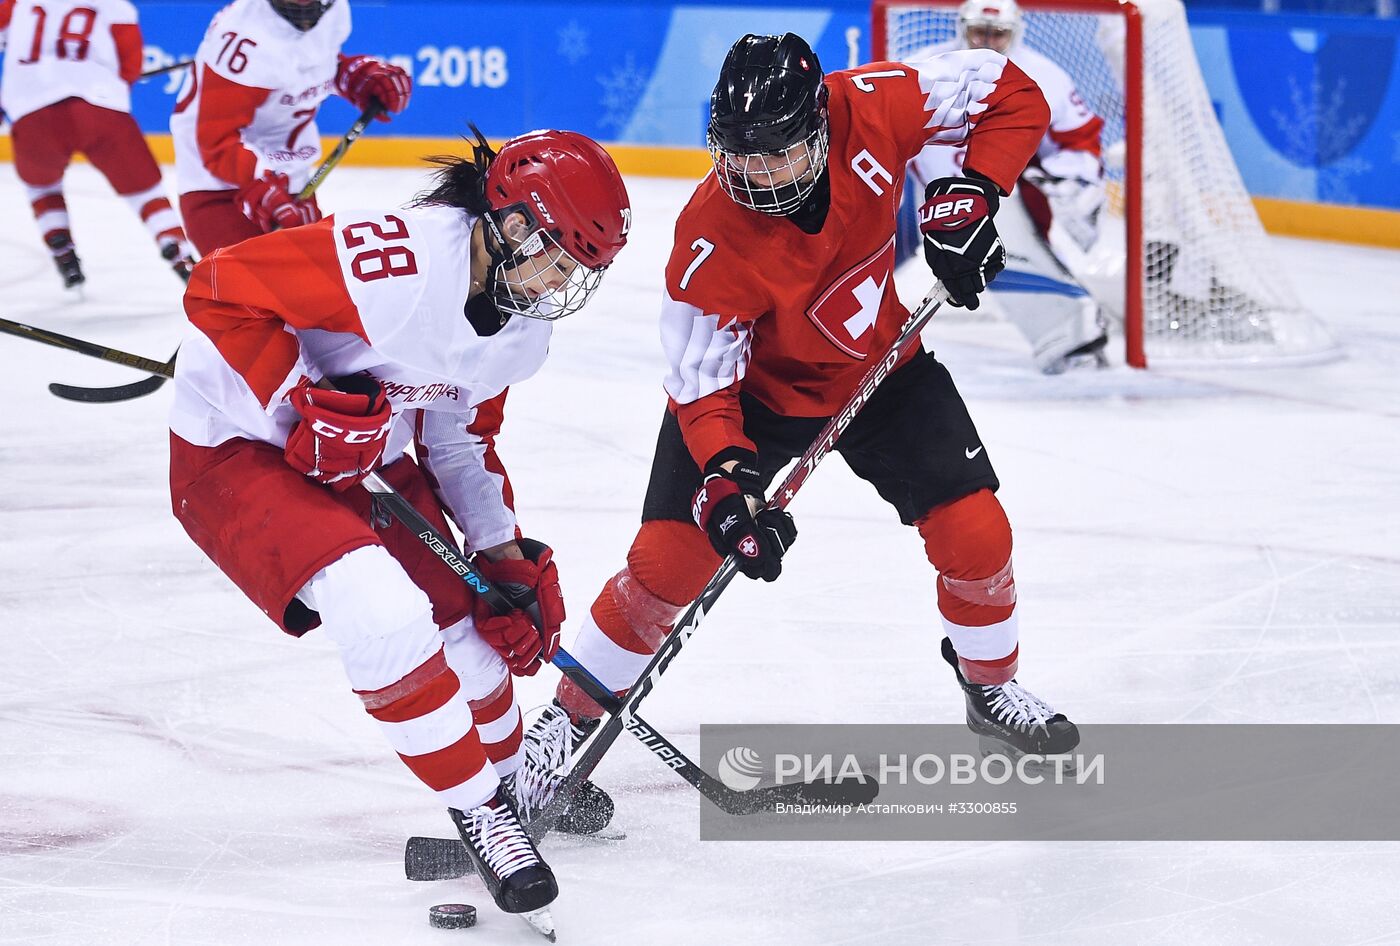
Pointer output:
1062, 187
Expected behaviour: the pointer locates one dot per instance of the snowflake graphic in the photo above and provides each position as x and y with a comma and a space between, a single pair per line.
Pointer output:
622, 91
1323, 136
1320, 134
573, 42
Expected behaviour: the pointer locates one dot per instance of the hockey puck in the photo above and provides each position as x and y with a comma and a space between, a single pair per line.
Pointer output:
452, 916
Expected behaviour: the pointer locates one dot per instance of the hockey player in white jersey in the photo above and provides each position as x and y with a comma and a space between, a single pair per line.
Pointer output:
244, 124
69, 67
1063, 187
321, 352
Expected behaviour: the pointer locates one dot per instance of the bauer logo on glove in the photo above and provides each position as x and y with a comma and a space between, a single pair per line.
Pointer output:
951, 211
960, 240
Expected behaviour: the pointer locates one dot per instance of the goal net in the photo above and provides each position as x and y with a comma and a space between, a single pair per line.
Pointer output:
1182, 258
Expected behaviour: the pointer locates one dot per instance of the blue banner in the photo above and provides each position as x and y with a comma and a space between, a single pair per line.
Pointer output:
635, 72
1310, 104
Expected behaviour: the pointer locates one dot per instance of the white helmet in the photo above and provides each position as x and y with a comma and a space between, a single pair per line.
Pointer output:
991, 14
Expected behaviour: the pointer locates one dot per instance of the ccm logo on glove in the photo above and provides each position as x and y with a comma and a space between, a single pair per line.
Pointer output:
341, 434
331, 432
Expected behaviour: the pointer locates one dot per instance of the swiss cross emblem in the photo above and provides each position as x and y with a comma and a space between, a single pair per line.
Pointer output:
749, 547
845, 313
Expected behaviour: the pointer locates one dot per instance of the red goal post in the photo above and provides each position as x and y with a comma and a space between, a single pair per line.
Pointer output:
1181, 253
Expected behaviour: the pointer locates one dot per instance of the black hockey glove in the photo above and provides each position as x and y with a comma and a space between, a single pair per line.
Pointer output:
724, 507
960, 240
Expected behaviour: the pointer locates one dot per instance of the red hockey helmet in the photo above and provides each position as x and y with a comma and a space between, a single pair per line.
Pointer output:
572, 194
570, 186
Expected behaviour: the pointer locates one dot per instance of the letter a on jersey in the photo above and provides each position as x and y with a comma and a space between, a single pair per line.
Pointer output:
846, 312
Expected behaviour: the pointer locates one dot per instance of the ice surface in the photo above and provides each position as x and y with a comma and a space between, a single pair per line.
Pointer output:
1208, 546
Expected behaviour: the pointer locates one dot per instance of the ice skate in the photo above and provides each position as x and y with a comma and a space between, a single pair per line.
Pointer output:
1010, 717
550, 743
508, 862
66, 259
179, 259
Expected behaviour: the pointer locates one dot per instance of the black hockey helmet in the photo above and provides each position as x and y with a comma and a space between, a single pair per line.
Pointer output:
768, 132
303, 14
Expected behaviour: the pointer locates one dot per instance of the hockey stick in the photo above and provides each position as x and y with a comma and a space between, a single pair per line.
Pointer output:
135, 389
162, 70
371, 112
682, 630
117, 392
726, 798
163, 368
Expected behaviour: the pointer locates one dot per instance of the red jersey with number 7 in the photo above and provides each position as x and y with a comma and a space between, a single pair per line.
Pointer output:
755, 304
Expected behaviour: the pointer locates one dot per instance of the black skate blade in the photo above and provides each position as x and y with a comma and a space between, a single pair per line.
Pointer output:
426, 859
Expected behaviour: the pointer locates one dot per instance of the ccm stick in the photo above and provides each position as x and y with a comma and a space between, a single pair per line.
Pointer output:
626, 715
426, 864
135, 389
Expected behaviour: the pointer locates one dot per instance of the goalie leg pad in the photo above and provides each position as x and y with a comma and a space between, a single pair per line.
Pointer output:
667, 566
1037, 292
969, 541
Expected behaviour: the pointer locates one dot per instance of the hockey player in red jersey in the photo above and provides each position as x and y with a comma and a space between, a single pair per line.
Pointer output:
69, 66
778, 288
422, 318
244, 124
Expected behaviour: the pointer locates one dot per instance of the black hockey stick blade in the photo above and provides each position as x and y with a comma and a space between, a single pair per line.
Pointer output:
120, 392
759, 800
436, 859
115, 393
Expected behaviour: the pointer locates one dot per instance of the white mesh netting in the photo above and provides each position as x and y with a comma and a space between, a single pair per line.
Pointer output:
1211, 288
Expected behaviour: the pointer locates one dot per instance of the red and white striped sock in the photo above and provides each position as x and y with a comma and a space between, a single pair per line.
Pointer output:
161, 221
51, 213
969, 541
394, 657
501, 728
428, 721
667, 566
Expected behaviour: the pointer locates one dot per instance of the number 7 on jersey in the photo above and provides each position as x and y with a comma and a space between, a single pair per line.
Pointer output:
706, 248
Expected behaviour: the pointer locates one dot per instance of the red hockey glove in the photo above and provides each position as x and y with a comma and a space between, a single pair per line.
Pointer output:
960, 241
724, 507
341, 434
362, 78
268, 203
524, 639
